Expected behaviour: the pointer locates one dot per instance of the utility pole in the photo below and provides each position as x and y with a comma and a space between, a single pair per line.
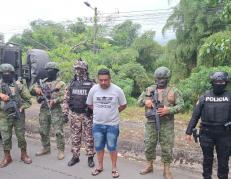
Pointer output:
95, 30
1, 38
95, 26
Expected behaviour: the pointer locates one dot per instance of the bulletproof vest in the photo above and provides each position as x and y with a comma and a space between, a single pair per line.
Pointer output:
12, 91
216, 109
167, 98
78, 95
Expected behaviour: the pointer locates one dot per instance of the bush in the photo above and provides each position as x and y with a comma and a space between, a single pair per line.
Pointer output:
198, 83
216, 50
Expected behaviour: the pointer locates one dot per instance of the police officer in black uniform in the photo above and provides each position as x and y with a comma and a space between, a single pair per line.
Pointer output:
214, 109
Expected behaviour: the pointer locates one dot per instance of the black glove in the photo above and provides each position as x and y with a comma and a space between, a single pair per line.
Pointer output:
65, 117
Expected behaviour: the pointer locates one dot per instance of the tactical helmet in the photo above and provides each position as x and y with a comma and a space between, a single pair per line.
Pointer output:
219, 76
162, 72
51, 65
79, 63
6, 68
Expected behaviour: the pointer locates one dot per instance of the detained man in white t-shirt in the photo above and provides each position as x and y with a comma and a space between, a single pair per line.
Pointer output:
107, 100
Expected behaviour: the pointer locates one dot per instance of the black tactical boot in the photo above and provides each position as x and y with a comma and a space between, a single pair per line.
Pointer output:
91, 162
73, 161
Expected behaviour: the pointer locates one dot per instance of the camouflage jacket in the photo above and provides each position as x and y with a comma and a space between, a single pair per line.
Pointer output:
23, 98
170, 97
56, 88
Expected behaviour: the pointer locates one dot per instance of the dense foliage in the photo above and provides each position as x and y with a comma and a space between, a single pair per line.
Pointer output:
202, 44
198, 83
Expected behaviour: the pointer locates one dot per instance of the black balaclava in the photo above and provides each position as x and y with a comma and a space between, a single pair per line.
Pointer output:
161, 83
218, 89
52, 74
8, 78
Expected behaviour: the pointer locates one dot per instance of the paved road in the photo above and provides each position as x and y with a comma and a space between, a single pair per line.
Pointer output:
48, 167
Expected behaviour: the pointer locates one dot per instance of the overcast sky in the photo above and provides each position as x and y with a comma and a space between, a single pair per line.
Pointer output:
15, 15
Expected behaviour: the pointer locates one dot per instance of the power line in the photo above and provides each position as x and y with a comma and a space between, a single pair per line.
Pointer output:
147, 17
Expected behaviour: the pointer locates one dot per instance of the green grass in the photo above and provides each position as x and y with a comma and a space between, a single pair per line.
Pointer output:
135, 113
183, 116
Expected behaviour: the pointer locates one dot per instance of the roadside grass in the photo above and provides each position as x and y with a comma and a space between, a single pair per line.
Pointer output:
135, 113
183, 116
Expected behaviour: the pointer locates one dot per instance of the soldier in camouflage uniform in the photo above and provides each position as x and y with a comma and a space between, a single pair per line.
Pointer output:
50, 111
16, 92
75, 108
172, 102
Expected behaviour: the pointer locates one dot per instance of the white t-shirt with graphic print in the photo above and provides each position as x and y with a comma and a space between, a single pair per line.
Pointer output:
105, 103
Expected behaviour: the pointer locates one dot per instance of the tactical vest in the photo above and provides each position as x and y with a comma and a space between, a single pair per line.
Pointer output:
216, 109
78, 95
13, 93
168, 96
167, 100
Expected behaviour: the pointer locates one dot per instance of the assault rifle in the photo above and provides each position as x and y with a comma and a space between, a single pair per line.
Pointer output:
152, 113
45, 94
195, 135
11, 106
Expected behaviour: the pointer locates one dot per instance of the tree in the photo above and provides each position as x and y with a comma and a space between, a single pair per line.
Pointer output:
197, 83
124, 34
115, 56
43, 34
77, 27
194, 21
137, 73
226, 14
148, 49
216, 50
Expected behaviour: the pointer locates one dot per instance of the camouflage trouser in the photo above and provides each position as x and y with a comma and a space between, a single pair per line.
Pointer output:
6, 126
81, 127
166, 139
57, 122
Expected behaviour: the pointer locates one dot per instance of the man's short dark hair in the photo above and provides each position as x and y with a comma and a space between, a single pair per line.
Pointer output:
104, 71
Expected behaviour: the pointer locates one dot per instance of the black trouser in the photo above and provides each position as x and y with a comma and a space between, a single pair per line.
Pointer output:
211, 137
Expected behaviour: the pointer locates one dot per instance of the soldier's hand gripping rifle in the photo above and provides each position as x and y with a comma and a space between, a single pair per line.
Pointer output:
11, 106
152, 113
45, 94
195, 135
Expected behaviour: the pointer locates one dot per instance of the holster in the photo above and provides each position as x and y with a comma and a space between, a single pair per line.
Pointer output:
228, 126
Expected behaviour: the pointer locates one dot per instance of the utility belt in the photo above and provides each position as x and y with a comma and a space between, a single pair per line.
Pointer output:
216, 128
